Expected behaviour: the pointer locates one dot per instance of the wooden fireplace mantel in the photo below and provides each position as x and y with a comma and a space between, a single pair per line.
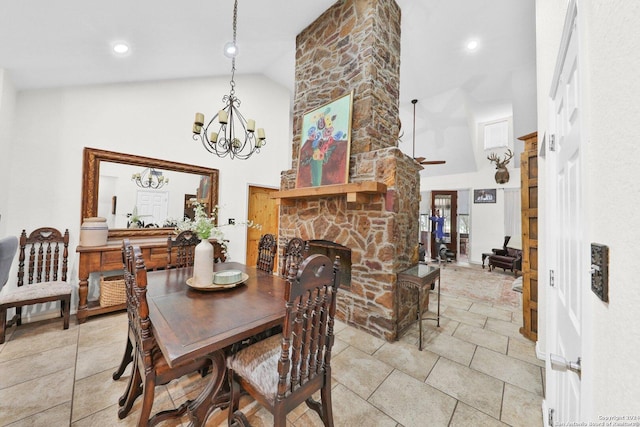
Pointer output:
356, 192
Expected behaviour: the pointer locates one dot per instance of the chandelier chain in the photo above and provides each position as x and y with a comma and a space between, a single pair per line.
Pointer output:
233, 60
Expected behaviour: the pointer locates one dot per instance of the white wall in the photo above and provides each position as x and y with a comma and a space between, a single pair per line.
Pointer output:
152, 119
487, 219
609, 70
7, 106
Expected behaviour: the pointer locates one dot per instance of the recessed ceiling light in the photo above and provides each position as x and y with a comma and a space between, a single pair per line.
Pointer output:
472, 45
120, 48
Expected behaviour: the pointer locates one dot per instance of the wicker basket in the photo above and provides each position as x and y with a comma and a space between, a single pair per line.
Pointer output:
112, 291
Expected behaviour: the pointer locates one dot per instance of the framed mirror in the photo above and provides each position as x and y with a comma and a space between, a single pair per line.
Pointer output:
133, 208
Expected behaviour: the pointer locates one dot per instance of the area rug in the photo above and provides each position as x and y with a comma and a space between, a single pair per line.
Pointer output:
474, 282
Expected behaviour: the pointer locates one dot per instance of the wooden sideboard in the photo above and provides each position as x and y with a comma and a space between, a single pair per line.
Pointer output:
97, 259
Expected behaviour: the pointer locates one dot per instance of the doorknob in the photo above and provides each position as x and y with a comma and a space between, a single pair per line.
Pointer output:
559, 363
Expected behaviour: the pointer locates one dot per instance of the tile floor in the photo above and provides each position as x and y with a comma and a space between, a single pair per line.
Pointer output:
475, 370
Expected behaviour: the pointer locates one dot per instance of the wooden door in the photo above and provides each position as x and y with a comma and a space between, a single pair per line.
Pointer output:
262, 210
568, 257
447, 203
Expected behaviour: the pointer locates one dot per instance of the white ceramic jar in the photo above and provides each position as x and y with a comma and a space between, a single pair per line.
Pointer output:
94, 231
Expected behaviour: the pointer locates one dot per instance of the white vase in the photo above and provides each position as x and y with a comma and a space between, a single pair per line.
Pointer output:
94, 232
203, 263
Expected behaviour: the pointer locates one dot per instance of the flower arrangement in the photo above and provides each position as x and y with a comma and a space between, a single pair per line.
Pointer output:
205, 225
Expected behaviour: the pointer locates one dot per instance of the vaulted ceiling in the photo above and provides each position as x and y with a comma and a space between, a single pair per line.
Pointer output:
46, 44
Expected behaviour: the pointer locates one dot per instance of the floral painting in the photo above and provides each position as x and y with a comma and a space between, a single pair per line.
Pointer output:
325, 145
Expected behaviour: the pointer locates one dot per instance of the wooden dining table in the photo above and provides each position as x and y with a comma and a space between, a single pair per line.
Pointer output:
189, 323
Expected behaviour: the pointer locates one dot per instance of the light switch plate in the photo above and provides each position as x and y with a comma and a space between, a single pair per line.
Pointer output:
600, 271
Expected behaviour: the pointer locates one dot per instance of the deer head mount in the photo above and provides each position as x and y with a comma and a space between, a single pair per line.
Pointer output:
502, 175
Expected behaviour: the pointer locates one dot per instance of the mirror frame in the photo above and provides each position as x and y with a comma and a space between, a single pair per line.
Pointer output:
91, 178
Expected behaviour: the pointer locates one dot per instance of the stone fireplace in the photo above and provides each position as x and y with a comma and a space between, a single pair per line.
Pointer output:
355, 45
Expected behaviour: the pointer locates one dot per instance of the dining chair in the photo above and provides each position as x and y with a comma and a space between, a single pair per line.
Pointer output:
181, 249
285, 370
267, 248
150, 368
128, 351
293, 255
48, 251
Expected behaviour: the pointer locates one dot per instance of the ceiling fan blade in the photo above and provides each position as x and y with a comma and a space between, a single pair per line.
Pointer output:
424, 161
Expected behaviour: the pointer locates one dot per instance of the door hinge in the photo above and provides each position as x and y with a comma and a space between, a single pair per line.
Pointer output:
552, 279
552, 142
551, 417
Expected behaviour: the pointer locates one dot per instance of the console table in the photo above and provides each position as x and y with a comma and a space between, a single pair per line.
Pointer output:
96, 259
417, 278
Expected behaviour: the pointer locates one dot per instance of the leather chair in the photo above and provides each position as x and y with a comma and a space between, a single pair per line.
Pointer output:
48, 251
285, 370
509, 259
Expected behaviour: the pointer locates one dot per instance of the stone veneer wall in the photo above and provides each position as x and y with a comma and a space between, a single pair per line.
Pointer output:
355, 45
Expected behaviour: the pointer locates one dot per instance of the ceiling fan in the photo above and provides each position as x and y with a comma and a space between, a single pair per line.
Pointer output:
421, 160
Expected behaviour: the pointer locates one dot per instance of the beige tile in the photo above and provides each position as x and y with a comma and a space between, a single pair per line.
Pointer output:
464, 316
36, 337
509, 329
508, 369
450, 347
95, 393
407, 358
338, 346
447, 300
113, 329
56, 416
96, 359
491, 311
525, 351
26, 368
32, 397
466, 416
360, 340
359, 371
474, 388
521, 408
348, 410
482, 337
189, 385
412, 402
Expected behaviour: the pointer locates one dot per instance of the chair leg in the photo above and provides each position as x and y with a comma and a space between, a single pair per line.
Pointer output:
131, 393
18, 316
3, 324
65, 305
327, 408
234, 402
147, 399
127, 358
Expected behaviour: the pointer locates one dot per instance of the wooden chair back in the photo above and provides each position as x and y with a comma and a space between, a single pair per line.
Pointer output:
301, 355
308, 326
181, 249
48, 252
267, 249
293, 256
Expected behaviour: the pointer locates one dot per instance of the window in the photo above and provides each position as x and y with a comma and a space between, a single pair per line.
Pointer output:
496, 134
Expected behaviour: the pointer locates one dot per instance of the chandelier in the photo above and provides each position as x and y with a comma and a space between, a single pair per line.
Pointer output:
150, 178
231, 134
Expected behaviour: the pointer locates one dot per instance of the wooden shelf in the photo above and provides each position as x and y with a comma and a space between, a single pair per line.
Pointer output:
356, 192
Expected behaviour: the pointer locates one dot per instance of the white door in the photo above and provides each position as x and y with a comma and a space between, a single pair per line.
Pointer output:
567, 256
153, 206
